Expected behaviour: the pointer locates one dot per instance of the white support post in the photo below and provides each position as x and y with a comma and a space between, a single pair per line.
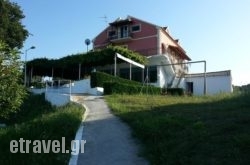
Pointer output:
69, 88
58, 85
205, 78
46, 90
79, 71
130, 72
143, 75
115, 66
52, 75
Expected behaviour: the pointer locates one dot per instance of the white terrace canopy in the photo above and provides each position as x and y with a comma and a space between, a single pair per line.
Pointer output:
131, 62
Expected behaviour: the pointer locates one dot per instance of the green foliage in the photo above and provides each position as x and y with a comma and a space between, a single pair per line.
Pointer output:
128, 88
67, 67
188, 130
12, 92
242, 89
99, 78
38, 120
27, 111
38, 85
12, 32
112, 84
175, 91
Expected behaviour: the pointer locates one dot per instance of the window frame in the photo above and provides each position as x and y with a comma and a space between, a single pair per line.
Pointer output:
114, 33
134, 31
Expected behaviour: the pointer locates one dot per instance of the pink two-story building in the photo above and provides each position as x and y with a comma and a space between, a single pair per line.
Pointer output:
150, 40
165, 54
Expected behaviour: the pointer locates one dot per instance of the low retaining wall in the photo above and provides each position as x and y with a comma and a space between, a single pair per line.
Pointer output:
37, 91
57, 99
60, 96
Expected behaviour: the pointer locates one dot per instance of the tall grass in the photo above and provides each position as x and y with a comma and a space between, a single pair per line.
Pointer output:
38, 120
188, 130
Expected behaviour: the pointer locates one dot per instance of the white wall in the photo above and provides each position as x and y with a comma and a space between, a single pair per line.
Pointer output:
37, 91
61, 96
57, 99
83, 86
215, 84
77, 87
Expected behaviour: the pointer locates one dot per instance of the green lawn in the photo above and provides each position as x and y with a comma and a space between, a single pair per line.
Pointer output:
38, 120
188, 130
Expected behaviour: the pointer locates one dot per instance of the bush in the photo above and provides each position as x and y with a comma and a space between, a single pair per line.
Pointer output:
175, 91
34, 106
12, 92
38, 85
121, 88
112, 84
40, 121
99, 78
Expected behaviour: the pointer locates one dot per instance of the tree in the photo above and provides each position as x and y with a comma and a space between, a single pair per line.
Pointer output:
12, 32
12, 92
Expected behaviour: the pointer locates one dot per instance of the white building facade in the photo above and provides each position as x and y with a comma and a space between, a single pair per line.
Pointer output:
215, 83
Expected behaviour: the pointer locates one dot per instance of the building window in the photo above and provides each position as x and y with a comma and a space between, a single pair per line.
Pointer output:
136, 28
124, 73
136, 73
152, 74
123, 32
111, 34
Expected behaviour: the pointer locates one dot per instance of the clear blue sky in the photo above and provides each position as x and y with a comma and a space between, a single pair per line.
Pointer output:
217, 31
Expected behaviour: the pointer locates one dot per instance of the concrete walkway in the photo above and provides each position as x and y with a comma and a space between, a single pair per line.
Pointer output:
108, 139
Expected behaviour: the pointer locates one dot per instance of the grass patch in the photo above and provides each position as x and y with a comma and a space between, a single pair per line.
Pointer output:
188, 130
38, 120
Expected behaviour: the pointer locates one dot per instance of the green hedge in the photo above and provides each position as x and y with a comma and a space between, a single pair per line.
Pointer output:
121, 88
112, 84
99, 78
175, 91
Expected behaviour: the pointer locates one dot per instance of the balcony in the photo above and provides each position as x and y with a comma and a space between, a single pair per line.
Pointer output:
120, 38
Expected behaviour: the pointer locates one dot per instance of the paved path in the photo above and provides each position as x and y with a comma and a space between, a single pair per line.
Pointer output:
108, 139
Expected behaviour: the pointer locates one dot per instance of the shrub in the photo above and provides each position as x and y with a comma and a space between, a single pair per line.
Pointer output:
175, 91
38, 85
112, 84
12, 92
99, 78
122, 88
40, 121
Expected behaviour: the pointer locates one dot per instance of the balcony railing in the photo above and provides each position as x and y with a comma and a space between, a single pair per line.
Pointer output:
123, 37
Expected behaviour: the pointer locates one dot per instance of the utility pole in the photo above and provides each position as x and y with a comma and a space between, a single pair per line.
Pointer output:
25, 65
